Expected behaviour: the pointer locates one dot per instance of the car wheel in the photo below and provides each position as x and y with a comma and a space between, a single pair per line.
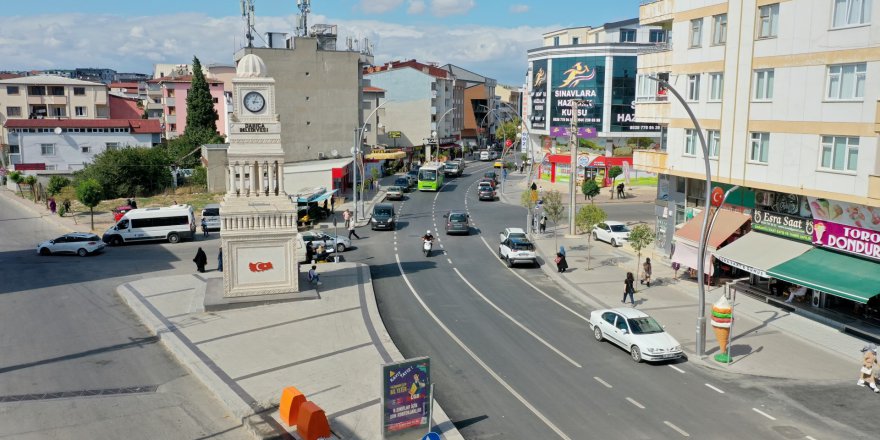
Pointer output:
173, 238
613, 242
45, 251
509, 262
595, 237
116, 241
82, 252
499, 254
597, 333
635, 353
340, 247
536, 264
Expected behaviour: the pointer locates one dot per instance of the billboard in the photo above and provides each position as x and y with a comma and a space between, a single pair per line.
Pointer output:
538, 95
406, 395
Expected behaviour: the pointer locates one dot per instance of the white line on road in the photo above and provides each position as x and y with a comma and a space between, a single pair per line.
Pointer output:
676, 428
809, 438
477, 358
715, 388
516, 322
639, 405
676, 369
602, 382
763, 414
450, 261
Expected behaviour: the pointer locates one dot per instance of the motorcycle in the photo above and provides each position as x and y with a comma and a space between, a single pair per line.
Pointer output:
426, 247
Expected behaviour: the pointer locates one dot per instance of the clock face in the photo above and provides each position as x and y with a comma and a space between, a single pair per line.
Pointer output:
254, 102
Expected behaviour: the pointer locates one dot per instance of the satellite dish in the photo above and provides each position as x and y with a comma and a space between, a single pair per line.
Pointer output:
335, 153
58, 130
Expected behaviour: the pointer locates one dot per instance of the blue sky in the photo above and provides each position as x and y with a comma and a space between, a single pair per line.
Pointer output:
488, 37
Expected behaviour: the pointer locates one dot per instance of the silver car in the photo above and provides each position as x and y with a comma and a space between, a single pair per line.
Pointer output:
331, 242
79, 243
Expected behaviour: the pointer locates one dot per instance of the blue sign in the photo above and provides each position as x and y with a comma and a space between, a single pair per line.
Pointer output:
431, 436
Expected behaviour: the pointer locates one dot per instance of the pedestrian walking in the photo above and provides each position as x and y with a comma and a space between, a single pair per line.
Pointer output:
314, 278
543, 223
628, 288
134, 204
351, 231
646, 275
561, 264
310, 253
325, 205
332, 204
201, 260
52, 205
346, 215
620, 193
220, 260
522, 166
66, 205
869, 367
204, 228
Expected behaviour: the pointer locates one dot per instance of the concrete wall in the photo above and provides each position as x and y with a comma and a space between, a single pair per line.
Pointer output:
293, 182
68, 147
409, 111
214, 159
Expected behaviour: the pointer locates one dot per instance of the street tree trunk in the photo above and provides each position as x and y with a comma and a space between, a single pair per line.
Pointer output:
92, 213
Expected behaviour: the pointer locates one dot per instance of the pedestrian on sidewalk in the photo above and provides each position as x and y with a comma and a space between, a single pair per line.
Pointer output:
66, 205
543, 223
796, 293
310, 253
646, 269
869, 367
52, 205
220, 260
201, 260
204, 228
628, 288
332, 204
620, 192
522, 165
561, 264
134, 204
346, 215
351, 231
314, 278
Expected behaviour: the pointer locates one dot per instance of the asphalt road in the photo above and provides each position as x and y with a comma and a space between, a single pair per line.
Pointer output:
64, 330
511, 351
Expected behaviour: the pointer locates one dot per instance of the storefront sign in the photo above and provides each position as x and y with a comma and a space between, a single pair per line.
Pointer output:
849, 214
740, 266
538, 95
788, 226
849, 239
406, 395
254, 128
580, 79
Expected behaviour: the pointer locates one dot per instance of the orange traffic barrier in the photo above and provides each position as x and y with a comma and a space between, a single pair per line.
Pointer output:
291, 401
311, 423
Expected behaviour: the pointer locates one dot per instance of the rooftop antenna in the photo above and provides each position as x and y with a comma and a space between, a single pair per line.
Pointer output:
302, 22
247, 11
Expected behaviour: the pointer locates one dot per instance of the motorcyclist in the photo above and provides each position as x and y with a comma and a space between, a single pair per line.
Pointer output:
428, 237
428, 242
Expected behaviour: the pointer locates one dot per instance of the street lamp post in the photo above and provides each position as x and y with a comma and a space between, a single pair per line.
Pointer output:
701, 263
572, 179
356, 152
436, 136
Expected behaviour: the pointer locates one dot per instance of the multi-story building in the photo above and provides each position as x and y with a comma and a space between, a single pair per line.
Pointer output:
787, 94
96, 74
174, 90
477, 97
594, 70
374, 125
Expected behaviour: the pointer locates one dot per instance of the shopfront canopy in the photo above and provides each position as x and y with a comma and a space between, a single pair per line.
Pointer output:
725, 225
380, 155
687, 256
757, 253
835, 274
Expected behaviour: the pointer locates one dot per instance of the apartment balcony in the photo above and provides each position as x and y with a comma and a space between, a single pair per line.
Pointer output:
654, 12
653, 161
170, 119
170, 102
46, 100
154, 105
654, 111
433, 110
433, 94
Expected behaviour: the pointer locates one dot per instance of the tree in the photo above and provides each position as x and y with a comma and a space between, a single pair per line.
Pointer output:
200, 111
56, 184
31, 181
528, 199
508, 130
17, 178
182, 150
554, 209
129, 172
200, 178
587, 218
640, 237
88, 192
590, 189
614, 172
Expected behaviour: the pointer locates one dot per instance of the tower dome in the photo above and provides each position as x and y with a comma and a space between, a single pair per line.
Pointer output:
251, 66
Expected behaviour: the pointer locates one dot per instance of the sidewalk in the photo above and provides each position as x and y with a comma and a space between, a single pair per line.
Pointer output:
766, 340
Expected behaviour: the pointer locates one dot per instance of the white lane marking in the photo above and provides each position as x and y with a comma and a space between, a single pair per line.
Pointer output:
676, 428
763, 414
715, 388
536, 287
809, 438
516, 322
450, 261
639, 405
602, 382
395, 248
477, 358
676, 369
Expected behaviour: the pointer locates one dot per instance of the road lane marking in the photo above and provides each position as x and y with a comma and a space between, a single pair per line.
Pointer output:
477, 359
763, 414
715, 388
602, 382
639, 405
809, 438
676, 428
515, 322
569, 309
450, 261
676, 369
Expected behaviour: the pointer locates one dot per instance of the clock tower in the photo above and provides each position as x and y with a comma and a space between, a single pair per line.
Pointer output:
258, 221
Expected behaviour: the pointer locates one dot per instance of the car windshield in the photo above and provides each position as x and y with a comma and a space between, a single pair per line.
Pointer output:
485, 187
619, 228
644, 326
458, 218
393, 189
428, 175
383, 212
517, 235
401, 181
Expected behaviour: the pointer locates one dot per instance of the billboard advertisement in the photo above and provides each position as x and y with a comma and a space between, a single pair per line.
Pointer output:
538, 95
406, 396
577, 78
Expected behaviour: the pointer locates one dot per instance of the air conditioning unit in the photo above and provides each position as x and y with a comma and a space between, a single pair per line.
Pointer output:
321, 156
818, 299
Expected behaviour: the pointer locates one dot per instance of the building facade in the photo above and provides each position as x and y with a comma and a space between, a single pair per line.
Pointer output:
478, 95
174, 90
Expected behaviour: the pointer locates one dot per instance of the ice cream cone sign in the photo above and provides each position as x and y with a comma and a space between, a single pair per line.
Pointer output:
722, 317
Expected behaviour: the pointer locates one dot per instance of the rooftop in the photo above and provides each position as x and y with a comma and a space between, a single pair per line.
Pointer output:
53, 80
136, 125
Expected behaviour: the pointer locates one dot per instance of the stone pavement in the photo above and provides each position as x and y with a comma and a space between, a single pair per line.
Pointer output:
766, 340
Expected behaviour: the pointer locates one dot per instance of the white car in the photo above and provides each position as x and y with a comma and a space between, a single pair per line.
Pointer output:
331, 242
612, 232
517, 249
79, 243
636, 332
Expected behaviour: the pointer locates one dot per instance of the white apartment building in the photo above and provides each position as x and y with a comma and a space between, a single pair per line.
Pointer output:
788, 96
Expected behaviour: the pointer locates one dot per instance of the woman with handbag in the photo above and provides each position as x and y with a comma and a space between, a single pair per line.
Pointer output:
561, 264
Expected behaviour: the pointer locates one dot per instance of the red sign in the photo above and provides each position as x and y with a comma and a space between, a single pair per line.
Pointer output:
717, 196
260, 267
509, 143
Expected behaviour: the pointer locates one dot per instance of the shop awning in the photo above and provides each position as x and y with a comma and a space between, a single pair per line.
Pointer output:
757, 253
835, 274
686, 255
386, 155
725, 225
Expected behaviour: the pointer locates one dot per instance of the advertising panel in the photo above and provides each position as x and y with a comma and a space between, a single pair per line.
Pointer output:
406, 397
538, 95
623, 97
783, 225
849, 214
850, 239
577, 78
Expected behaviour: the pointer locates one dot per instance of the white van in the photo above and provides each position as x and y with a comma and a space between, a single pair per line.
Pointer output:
484, 155
172, 223
211, 216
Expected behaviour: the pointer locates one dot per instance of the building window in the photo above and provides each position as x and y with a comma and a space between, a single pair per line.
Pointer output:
693, 87
79, 91
215, 100
12, 90
111, 145
846, 81
173, 127
58, 112
719, 29
714, 142
716, 86
13, 112
690, 142
85, 149
627, 35
575, 40
696, 32
768, 21
56, 91
37, 90
657, 36
760, 147
81, 111
840, 153
764, 85
556, 41
851, 13
47, 149
51, 167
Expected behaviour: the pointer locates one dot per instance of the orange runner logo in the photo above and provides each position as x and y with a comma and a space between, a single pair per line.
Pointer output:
260, 267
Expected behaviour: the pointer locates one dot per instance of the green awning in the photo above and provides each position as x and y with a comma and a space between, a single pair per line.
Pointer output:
836, 274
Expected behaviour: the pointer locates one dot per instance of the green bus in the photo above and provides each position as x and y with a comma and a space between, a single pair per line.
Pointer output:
431, 176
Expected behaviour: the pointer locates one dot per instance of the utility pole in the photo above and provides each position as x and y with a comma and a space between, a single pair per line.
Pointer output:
572, 145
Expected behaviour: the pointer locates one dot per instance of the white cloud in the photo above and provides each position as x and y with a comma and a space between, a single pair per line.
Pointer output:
519, 9
379, 6
444, 8
416, 7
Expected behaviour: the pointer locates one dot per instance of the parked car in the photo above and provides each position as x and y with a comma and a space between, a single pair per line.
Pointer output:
394, 193
457, 222
79, 243
636, 332
512, 233
612, 232
485, 191
517, 250
331, 242
119, 212
403, 182
211, 214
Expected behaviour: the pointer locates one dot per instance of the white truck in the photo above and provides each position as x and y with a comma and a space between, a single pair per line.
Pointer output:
515, 247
